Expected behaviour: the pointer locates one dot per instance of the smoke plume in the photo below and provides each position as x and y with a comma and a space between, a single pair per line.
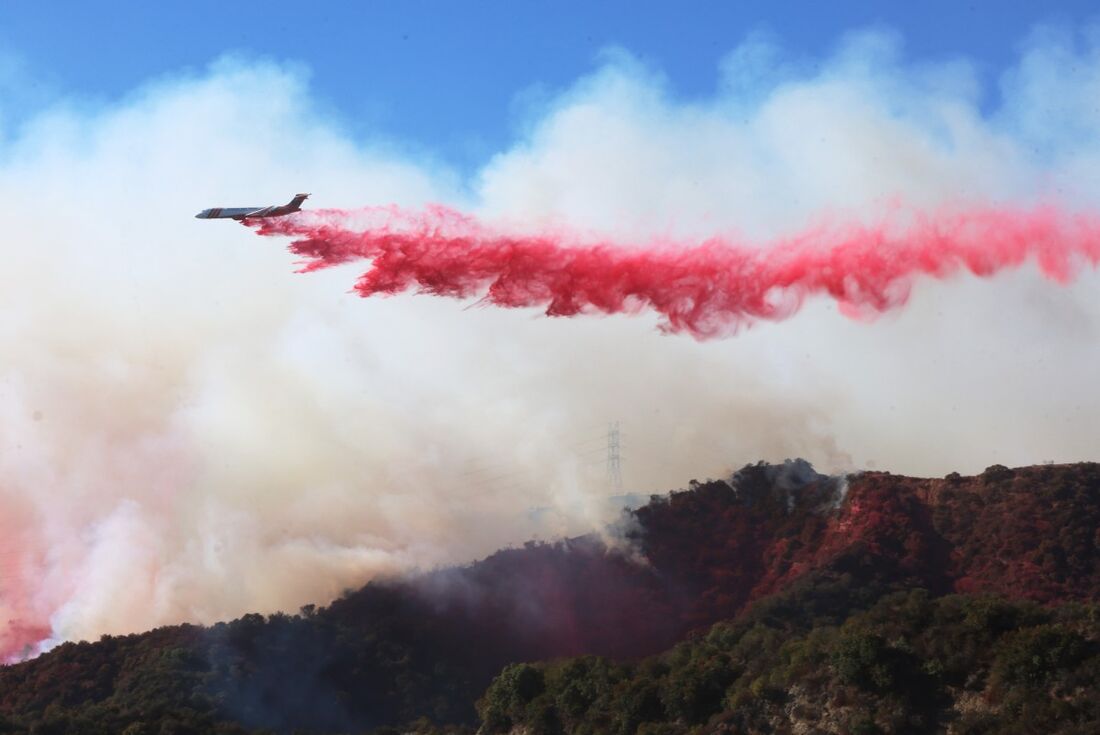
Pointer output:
190, 431
705, 289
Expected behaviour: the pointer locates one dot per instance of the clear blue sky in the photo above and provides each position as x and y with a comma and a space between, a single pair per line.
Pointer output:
443, 75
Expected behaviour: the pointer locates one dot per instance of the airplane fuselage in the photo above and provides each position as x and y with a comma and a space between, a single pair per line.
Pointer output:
240, 213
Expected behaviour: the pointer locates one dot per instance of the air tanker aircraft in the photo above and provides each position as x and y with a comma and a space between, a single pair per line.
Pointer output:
240, 213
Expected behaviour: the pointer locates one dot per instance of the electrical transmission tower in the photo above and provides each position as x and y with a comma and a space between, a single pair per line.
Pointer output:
614, 458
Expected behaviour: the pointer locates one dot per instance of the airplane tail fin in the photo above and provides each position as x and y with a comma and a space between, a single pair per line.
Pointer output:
296, 202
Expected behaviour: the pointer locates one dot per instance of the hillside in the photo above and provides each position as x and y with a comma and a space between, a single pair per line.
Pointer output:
806, 551
911, 663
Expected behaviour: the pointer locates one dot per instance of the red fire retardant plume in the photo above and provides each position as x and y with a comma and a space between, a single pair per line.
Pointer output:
708, 288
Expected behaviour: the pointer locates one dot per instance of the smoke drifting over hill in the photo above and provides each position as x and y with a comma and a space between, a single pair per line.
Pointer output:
191, 431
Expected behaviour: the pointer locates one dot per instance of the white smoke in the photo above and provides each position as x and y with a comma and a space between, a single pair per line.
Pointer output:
189, 430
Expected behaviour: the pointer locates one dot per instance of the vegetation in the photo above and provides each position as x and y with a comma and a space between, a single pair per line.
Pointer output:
910, 664
773, 602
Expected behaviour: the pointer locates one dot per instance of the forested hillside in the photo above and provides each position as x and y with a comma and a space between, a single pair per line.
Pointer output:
875, 601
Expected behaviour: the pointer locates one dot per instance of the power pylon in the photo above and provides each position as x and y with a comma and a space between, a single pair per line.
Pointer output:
614, 458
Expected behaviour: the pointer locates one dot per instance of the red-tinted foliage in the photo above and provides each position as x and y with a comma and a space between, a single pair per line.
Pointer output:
1029, 533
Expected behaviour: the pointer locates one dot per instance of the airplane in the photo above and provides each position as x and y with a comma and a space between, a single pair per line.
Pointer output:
240, 213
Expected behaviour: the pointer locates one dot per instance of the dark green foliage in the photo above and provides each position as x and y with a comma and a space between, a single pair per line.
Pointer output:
510, 697
1033, 657
900, 666
694, 692
865, 660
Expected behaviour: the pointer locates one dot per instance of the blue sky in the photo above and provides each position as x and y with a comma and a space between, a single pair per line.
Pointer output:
445, 76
